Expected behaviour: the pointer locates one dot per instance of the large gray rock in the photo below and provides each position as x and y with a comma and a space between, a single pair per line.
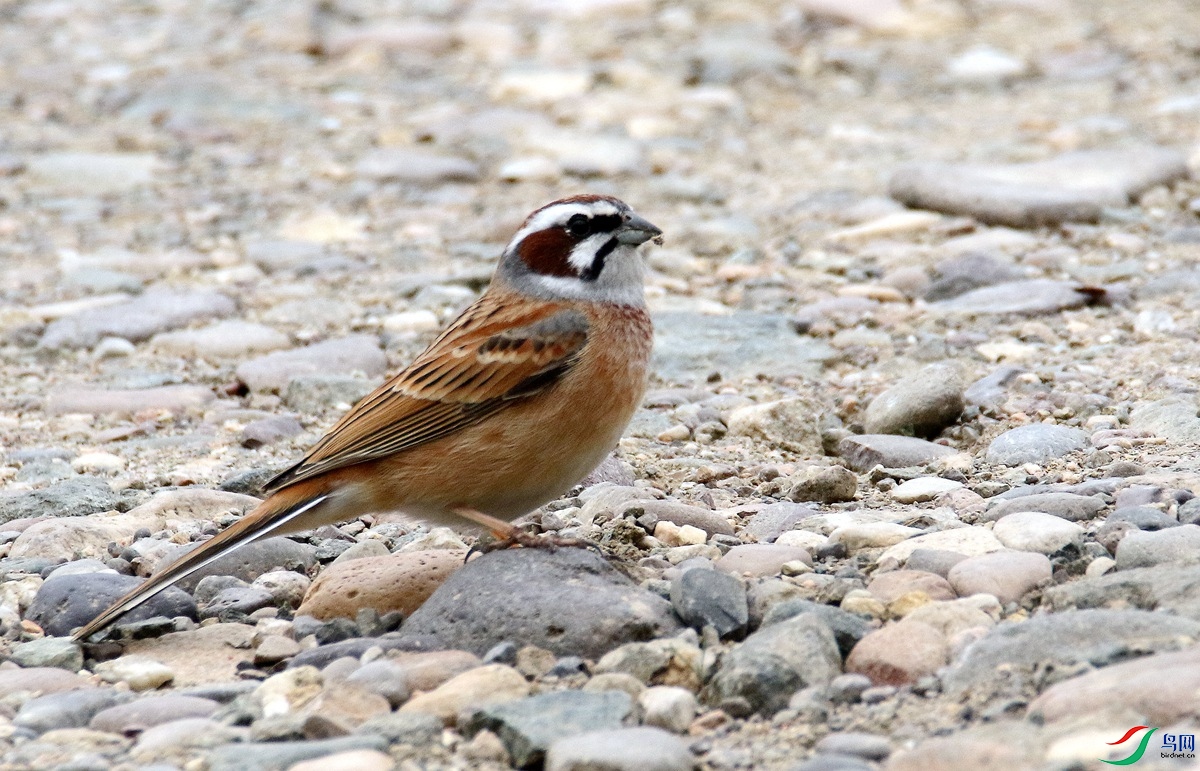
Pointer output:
621, 749
63, 603
248, 562
1169, 589
1143, 548
1173, 418
689, 346
869, 450
1068, 506
1092, 637
705, 597
69, 709
569, 601
529, 726
1030, 297
762, 673
343, 356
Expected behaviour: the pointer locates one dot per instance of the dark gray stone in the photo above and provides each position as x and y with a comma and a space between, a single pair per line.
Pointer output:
568, 601
1139, 549
416, 728
76, 497
711, 598
1035, 443
277, 756
921, 404
1062, 640
867, 451
1071, 507
529, 726
148, 711
250, 561
270, 430
847, 628
1144, 517
761, 674
773, 520
68, 709
961, 274
49, 652
855, 744
991, 391
689, 346
237, 600
64, 603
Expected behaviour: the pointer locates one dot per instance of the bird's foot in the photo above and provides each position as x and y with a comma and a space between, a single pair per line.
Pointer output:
507, 536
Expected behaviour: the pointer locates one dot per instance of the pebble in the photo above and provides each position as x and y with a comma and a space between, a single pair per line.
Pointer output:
668, 707
97, 463
223, 340
1036, 532
761, 559
866, 451
362, 549
985, 66
157, 310
91, 173
67, 709
1075, 187
568, 601
1142, 548
1144, 517
683, 515
268, 756
349, 760
620, 749
773, 520
923, 489
968, 541
711, 598
1005, 575
855, 743
272, 373
250, 561
473, 689
529, 726
209, 654
823, 484
872, 535
396, 582
900, 653
389, 680
275, 648
395, 164
761, 673
658, 662
40, 680
308, 394
286, 587
921, 404
894, 584
69, 498
140, 673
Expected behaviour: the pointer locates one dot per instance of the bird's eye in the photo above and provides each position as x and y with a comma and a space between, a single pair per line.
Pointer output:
579, 225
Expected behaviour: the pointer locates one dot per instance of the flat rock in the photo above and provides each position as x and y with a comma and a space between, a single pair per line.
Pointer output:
1035, 443
921, 404
157, 310
1068, 506
91, 173
865, 452
64, 603
760, 674
968, 541
923, 489
136, 716
1007, 575
49, 652
529, 726
761, 559
894, 584
620, 749
1142, 548
224, 339
1159, 689
1028, 297
396, 582
682, 514
1074, 187
774, 519
569, 601
308, 394
346, 355
277, 756
70, 498
396, 164
688, 346
1094, 637
1035, 531
1010, 744
128, 401
67, 709
1173, 418
474, 689
210, 654
248, 562
40, 680
1173, 589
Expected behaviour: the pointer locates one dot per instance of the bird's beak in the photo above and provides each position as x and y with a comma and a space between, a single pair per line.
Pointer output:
637, 231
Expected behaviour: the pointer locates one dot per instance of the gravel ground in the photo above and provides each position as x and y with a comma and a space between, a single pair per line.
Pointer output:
914, 484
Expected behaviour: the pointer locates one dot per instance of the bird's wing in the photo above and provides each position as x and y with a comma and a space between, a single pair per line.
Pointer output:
494, 354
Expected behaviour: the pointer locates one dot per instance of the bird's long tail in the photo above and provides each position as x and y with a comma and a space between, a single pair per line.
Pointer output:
277, 515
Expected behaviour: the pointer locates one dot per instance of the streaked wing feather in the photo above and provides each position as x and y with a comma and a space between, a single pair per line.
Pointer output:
492, 356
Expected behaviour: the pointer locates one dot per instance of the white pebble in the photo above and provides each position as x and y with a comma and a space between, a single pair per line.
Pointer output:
97, 463
923, 489
669, 707
140, 672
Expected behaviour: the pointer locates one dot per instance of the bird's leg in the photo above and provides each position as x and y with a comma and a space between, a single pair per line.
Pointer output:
507, 535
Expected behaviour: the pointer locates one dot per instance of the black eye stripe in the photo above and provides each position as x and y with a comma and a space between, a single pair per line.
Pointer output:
593, 271
582, 226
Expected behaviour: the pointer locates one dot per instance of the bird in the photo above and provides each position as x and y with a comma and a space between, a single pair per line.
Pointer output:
517, 400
